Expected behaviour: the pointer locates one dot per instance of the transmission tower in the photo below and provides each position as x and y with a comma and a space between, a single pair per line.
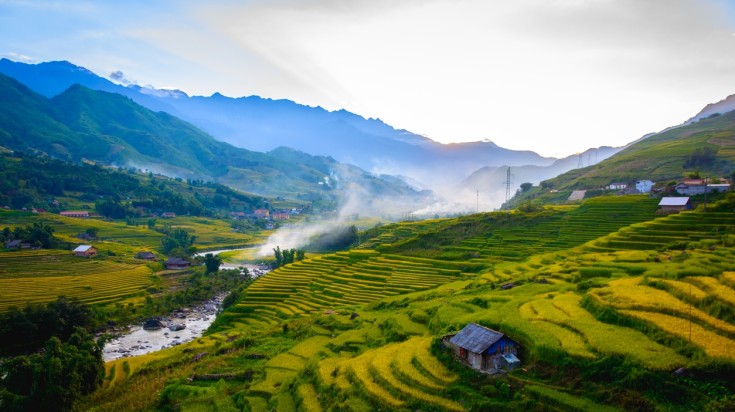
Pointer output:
580, 161
507, 186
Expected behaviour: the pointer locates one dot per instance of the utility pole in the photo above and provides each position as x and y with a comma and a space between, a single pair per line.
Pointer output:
507, 186
690, 313
705, 194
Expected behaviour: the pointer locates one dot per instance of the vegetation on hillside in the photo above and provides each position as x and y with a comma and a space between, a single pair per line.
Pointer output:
52, 380
602, 323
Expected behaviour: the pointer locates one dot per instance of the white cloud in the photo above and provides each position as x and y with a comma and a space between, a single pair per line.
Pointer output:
20, 57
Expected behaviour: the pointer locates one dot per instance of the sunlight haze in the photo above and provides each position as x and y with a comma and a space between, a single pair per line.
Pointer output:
555, 77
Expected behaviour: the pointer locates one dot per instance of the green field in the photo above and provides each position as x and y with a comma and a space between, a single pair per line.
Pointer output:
40, 276
360, 329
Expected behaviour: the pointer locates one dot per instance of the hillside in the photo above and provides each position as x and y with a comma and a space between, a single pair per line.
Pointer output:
262, 124
664, 156
602, 324
82, 124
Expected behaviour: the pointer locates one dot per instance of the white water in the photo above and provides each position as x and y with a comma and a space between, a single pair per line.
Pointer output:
138, 341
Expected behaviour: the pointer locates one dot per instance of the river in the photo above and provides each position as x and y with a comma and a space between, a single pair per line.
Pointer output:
138, 341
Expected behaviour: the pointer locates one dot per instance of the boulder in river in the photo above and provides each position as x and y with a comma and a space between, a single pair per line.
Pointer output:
153, 324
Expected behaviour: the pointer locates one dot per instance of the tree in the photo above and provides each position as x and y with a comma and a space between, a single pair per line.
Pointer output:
92, 232
212, 263
702, 156
525, 187
286, 256
278, 256
41, 232
178, 242
55, 379
26, 330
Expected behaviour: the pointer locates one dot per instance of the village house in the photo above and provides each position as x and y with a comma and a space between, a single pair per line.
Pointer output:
175, 263
85, 251
13, 244
689, 190
168, 215
617, 186
699, 189
145, 256
484, 349
280, 216
83, 214
674, 204
644, 186
261, 213
718, 187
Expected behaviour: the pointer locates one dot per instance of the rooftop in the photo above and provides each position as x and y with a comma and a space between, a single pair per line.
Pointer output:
673, 201
476, 338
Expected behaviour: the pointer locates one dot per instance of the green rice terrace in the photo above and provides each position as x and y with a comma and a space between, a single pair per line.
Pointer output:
614, 308
40, 276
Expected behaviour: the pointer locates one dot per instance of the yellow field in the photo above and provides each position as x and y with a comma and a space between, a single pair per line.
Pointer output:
713, 344
37, 276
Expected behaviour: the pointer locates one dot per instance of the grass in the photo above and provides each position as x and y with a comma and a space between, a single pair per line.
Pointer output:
566, 401
37, 276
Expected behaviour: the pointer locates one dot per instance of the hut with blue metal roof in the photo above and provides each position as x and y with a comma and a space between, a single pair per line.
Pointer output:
484, 349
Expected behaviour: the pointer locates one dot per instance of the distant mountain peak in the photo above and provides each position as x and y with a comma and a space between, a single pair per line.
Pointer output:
723, 106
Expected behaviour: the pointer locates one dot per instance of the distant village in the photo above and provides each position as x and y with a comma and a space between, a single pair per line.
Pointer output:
674, 195
268, 217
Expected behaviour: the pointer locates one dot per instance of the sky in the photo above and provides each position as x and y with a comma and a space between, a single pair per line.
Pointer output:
552, 76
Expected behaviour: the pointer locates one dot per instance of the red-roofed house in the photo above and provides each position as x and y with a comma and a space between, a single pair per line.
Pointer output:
76, 213
261, 213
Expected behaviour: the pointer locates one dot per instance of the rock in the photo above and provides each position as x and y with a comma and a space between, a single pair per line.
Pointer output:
153, 324
177, 326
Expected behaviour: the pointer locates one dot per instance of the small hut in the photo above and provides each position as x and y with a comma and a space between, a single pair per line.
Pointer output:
484, 349
175, 263
85, 251
145, 256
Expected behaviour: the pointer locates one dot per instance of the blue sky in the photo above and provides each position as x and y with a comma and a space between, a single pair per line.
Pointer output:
553, 76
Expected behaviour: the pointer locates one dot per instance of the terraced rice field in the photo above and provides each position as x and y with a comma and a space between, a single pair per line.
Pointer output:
43, 275
664, 231
672, 314
394, 374
119, 232
338, 280
596, 217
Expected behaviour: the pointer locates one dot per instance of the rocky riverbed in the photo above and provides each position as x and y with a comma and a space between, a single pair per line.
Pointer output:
139, 341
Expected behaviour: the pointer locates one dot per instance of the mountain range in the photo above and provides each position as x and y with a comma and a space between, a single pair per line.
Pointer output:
81, 124
262, 124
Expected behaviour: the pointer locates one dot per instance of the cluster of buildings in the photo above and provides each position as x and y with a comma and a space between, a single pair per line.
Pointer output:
687, 187
281, 214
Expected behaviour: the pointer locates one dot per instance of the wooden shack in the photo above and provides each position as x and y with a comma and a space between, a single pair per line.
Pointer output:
484, 349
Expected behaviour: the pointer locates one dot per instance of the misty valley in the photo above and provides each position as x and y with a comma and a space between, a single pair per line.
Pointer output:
160, 251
